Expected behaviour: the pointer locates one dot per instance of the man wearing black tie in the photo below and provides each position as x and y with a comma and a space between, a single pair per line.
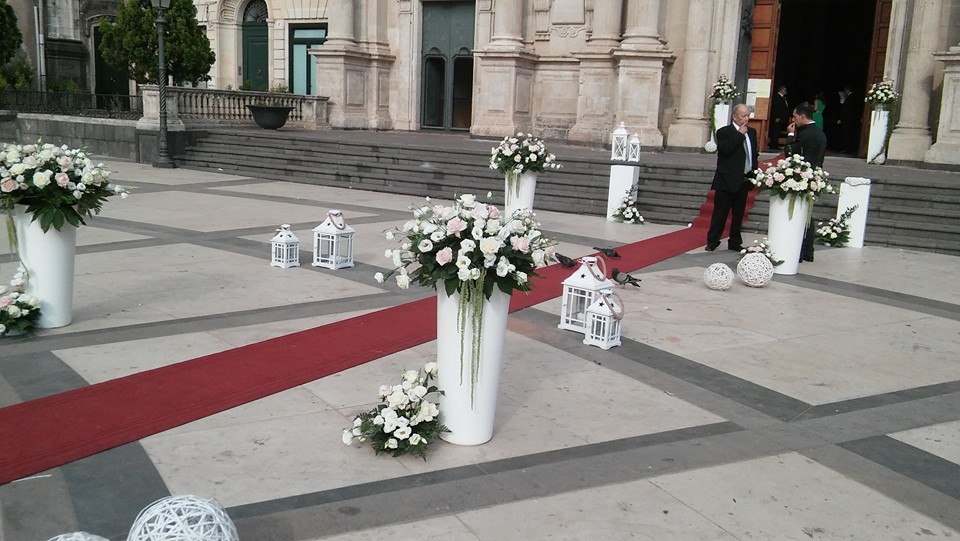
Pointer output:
737, 156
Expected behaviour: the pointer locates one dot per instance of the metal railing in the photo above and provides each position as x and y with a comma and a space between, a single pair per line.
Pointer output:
84, 104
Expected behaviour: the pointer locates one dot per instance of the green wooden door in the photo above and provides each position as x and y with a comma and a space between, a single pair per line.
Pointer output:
255, 70
447, 65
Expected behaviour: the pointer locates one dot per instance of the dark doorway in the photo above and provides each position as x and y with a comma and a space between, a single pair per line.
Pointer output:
822, 47
254, 68
110, 84
447, 73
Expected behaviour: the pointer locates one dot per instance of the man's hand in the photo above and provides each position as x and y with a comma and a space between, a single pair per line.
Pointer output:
742, 129
792, 127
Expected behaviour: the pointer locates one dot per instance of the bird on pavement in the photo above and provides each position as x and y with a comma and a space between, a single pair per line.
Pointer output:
623, 279
609, 252
565, 261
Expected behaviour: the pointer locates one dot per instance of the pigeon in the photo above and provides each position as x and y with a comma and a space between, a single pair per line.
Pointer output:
565, 261
609, 252
623, 279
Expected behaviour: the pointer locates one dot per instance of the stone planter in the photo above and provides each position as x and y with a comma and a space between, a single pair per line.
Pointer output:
270, 117
49, 258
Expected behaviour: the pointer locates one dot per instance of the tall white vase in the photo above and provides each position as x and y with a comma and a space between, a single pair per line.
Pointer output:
877, 145
468, 407
785, 233
49, 259
519, 195
721, 117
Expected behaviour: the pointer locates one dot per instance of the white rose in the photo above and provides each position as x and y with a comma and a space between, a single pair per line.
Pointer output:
490, 245
403, 281
430, 368
425, 245
347, 437
378, 277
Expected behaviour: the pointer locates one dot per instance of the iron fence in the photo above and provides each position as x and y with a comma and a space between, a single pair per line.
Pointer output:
73, 103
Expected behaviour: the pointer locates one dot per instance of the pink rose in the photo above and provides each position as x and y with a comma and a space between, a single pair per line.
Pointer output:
8, 185
521, 244
62, 179
494, 212
444, 256
455, 226
5, 301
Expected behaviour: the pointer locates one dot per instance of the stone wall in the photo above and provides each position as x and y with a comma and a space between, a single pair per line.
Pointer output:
101, 136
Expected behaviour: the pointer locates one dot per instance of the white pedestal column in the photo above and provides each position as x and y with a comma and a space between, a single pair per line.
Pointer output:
623, 179
721, 117
519, 191
877, 145
49, 259
469, 402
855, 191
785, 232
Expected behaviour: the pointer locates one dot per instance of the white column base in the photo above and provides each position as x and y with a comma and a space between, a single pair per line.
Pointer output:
623, 178
855, 191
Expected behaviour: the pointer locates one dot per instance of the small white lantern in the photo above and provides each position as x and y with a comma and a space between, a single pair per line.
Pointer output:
580, 290
333, 242
285, 248
603, 321
619, 151
633, 148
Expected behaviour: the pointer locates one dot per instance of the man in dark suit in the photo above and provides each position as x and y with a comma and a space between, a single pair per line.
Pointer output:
737, 156
779, 117
806, 139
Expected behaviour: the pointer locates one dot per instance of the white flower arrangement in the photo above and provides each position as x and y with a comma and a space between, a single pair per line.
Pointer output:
18, 311
881, 95
406, 420
836, 232
761, 247
794, 177
628, 212
58, 185
520, 153
710, 146
724, 90
468, 248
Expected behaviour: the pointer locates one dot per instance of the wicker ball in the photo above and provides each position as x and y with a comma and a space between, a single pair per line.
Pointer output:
183, 518
718, 276
755, 270
78, 536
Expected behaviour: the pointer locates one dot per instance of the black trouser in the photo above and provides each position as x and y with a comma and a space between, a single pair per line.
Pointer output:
806, 249
724, 203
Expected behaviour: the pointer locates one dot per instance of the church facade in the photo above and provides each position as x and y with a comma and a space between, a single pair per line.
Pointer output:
568, 70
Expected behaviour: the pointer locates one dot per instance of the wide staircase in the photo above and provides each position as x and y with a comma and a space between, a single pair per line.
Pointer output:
909, 208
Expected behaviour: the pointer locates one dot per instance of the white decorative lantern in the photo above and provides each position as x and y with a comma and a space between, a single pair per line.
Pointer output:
718, 276
285, 248
755, 269
633, 148
183, 518
619, 150
78, 536
603, 321
580, 290
333, 242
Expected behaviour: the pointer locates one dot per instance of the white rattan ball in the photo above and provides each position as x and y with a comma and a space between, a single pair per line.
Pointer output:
78, 536
755, 270
183, 518
718, 276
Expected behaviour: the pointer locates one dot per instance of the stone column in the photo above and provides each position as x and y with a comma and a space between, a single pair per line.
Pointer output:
643, 25
508, 25
912, 138
691, 130
606, 25
340, 33
947, 148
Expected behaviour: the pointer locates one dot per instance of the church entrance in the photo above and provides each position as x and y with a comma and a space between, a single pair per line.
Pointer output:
447, 65
254, 38
820, 50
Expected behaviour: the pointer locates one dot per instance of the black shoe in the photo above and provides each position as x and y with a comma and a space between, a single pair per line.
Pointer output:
806, 257
711, 247
735, 248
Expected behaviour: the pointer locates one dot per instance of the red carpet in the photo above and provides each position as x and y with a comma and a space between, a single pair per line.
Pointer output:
54, 430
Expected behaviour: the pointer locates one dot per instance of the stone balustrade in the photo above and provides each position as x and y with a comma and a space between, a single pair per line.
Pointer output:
199, 108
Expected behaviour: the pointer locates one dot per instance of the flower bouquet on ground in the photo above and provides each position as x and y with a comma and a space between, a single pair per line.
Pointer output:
761, 247
628, 212
58, 185
18, 311
723, 90
520, 153
881, 95
793, 177
836, 232
405, 421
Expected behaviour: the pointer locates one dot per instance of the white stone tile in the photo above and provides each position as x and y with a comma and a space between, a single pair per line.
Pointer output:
431, 529
792, 497
942, 440
125, 171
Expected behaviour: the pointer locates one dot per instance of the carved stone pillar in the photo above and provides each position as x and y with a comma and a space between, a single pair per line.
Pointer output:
643, 25
911, 138
340, 33
606, 25
505, 73
691, 130
947, 148
639, 89
508, 25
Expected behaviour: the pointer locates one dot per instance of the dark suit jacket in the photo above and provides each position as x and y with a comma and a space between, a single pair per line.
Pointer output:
809, 142
780, 112
731, 158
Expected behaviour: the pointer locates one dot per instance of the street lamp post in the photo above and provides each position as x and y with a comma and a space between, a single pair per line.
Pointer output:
163, 158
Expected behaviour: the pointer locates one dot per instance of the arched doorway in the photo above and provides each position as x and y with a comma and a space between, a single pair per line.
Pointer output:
254, 70
447, 65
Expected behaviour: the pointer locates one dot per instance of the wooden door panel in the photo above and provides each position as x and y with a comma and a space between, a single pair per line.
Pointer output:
763, 56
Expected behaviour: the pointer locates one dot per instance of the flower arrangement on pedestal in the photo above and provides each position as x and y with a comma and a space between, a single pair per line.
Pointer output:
58, 185
18, 311
881, 95
628, 212
468, 248
406, 420
519, 154
836, 232
793, 177
723, 90
761, 247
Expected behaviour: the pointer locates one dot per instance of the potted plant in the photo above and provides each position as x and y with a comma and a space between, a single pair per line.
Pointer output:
270, 112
